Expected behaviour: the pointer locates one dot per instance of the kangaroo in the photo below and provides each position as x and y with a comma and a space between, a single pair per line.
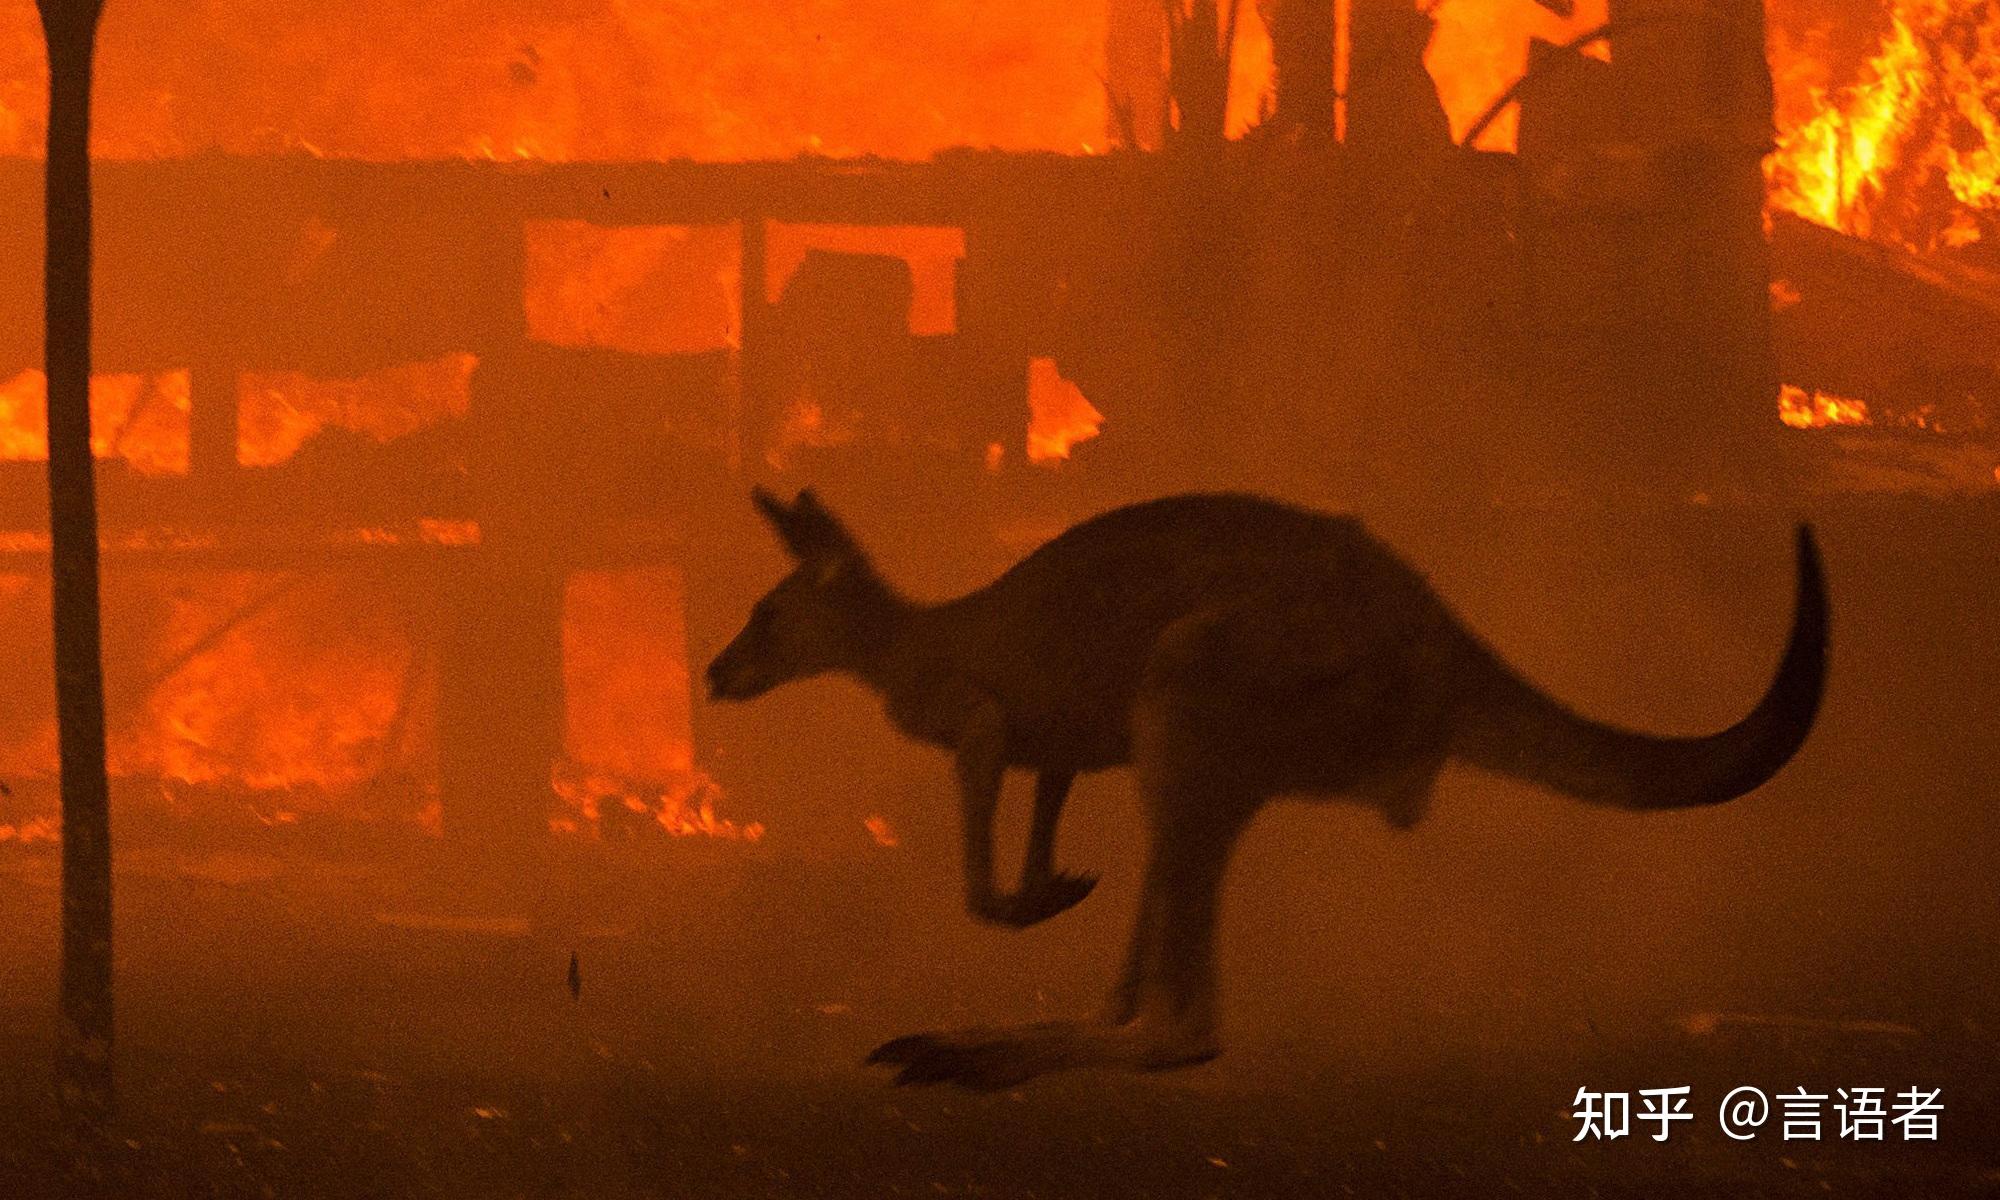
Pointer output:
1229, 649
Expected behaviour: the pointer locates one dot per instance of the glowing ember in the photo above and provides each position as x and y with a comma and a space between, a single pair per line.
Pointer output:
1909, 150
1801, 409
879, 828
805, 425
1058, 415
598, 804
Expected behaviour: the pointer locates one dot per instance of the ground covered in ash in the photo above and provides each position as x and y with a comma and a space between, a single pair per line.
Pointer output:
1405, 1014
334, 1030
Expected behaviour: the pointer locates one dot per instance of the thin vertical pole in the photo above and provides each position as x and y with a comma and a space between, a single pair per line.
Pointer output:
84, 1046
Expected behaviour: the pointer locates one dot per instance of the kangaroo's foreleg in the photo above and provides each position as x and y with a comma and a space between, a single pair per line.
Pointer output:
1044, 891
1051, 790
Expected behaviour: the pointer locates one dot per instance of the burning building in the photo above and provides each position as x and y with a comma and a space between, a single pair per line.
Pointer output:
437, 348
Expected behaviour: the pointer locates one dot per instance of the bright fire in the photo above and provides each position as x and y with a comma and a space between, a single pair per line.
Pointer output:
1801, 409
1908, 149
140, 419
1058, 415
291, 684
628, 763
576, 80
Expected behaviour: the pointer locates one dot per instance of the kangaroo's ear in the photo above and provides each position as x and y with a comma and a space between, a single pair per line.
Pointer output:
819, 533
783, 521
810, 532
774, 509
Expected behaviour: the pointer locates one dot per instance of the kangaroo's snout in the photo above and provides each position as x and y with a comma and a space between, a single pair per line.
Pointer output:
721, 682
732, 678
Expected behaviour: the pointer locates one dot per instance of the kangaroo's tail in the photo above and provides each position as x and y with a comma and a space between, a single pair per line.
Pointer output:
1517, 729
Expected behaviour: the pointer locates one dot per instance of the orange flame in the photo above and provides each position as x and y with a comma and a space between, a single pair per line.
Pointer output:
575, 80
141, 419
281, 411
683, 808
1909, 152
1058, 415
1813, 410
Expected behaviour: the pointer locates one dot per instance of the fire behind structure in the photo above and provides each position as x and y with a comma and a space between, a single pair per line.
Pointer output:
371, 428
440, 345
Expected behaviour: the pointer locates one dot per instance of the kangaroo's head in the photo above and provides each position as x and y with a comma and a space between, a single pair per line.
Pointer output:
831, 613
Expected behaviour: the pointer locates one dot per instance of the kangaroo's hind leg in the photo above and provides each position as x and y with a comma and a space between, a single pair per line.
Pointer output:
1199, 799
1162, 1014
1200, 794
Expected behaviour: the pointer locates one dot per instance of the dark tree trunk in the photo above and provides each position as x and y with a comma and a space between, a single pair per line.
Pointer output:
1302, 36
1201, 40
84, 1050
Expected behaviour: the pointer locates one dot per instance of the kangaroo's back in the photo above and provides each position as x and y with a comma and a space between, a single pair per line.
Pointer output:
1063, 637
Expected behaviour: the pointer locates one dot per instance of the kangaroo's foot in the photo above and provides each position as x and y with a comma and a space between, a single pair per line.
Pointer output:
1037, 900
992, 1059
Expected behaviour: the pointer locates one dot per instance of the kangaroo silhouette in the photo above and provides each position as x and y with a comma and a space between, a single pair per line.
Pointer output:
1229, 649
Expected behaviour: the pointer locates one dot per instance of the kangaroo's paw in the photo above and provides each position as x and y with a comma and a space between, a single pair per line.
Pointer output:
1037, 901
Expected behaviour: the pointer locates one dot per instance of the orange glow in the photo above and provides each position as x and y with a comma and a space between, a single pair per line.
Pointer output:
932, 253
668, 289
1252, 74
879, 828
628, 738
440, 532
28, 833
629, 709
1058, 415
1812, 410
576, 80
280, 411
1908, 151
141, 419
1480, 49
